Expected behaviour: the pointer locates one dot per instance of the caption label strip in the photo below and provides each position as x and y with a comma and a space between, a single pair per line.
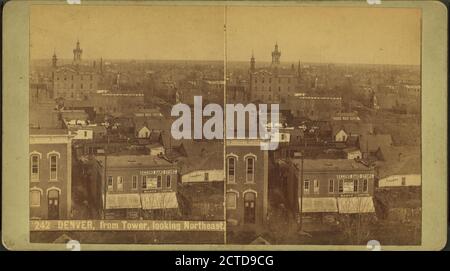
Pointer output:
126, 225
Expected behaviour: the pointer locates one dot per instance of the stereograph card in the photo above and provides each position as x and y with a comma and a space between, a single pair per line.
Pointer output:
296, 125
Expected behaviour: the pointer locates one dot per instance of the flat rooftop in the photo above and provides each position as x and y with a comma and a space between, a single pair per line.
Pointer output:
329, 164
136, 161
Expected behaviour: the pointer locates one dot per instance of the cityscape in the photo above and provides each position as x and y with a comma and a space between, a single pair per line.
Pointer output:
106, 168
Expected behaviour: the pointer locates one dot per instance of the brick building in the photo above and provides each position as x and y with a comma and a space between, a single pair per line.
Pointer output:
50, 166
138, 186
330, 187
75, 81
274, 83
246, 183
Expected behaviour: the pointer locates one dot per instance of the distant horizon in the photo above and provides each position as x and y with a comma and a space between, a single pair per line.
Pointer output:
229, 61
347, 35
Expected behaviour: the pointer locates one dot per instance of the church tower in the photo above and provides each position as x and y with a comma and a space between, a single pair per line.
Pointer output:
54, 60
252, 63
77, 54
276, 56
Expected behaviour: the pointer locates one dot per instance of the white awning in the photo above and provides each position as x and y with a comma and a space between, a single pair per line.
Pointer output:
159, 200
318, 205
355, 205
123, 201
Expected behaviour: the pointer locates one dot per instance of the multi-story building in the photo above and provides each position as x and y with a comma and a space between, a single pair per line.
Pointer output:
246, 182
134, 186
320, 189
274, 83
50, 166
75, 81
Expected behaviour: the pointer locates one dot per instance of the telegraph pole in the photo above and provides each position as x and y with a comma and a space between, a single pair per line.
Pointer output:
301, 194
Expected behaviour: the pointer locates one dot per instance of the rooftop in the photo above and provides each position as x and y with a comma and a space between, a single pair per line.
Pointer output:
329, 164
136, 161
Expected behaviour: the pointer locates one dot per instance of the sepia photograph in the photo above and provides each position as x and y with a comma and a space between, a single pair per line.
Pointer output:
227, 125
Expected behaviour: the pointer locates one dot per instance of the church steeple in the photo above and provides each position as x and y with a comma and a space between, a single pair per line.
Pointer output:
276, 54
54, 60
252, 63
77, 53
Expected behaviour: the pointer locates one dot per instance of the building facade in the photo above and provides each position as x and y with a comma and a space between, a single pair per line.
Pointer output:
321, 189
246, 183
75, 81
274, 83
135, 186
50, 174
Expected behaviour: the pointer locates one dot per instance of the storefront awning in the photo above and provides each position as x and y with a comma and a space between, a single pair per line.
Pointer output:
159, 200
355, 205
123, 201
318, 205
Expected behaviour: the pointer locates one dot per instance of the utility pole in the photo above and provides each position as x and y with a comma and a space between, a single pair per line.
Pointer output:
105, 183
301, 195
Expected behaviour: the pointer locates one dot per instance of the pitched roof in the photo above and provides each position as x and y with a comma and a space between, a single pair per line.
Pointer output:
202, 156
352, 127
399, 160
152, 123
371, 143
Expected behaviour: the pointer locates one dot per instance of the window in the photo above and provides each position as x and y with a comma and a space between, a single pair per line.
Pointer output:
85, 133
110, 183
365, 186
250, 161
403, 181
341, 186
119, 183
316, 186
279, 89
168, 181
158, 181
34, 167
35, 198
53, 167
306, 187
206, 176
81, 86
331, 186
355, 185
144, 182
231, 163
231, 200
134, 182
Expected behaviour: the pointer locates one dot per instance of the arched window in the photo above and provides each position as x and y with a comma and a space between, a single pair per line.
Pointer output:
231, 200
231, 169
35, 198
250, 169
34, 167
53, 167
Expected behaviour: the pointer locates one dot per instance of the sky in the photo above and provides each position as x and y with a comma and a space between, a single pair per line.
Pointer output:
318, 34
309, 34
128, 32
